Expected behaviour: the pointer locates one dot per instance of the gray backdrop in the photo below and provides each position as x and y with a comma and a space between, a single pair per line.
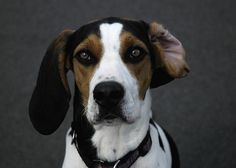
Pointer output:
198, 111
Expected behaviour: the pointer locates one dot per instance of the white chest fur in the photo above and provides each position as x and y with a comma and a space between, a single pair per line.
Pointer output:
155, 158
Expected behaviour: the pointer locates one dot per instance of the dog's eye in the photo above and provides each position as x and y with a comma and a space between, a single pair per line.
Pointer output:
134, 54
85, 57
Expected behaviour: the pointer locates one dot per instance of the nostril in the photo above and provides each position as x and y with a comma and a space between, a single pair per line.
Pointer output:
108, 93
117, 94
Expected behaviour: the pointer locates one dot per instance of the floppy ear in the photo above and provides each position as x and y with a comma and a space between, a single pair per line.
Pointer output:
50, 100
169, 55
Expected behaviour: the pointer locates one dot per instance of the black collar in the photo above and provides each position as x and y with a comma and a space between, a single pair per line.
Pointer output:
124, 162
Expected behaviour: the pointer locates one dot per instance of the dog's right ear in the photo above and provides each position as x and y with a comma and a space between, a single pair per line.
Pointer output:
50, 100
169, 54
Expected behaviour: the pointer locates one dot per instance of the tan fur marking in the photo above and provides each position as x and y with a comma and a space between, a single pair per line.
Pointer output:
61, 66
142, 70
83, 74
93, 44
59, 45
129, 40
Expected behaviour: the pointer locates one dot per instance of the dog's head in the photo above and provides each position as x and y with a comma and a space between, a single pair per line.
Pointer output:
114, 61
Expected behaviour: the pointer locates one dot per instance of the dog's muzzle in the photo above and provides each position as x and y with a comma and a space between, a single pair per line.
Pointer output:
109, 96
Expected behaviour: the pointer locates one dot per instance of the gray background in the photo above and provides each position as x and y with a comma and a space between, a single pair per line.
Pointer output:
198, 111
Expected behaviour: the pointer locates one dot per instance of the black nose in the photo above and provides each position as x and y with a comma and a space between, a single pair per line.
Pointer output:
108, 94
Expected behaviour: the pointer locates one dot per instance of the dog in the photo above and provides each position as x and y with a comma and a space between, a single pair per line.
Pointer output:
115, 63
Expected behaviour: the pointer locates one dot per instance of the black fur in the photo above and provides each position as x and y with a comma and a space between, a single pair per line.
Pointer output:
50, 101
173, 150
84, 130
160, 77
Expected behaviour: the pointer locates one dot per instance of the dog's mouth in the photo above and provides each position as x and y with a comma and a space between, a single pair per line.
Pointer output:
110, 116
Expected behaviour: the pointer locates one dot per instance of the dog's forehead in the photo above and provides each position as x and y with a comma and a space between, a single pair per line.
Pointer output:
137, 28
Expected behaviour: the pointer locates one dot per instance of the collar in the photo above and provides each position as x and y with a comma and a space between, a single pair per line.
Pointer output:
124, 162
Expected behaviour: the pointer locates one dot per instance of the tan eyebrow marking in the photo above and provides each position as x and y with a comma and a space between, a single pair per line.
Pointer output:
128, 40
91, 43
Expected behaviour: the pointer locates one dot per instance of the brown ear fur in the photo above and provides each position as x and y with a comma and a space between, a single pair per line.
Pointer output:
170, 51
63, 59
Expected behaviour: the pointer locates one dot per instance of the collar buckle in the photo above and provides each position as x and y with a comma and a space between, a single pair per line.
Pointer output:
101, 162
116, 164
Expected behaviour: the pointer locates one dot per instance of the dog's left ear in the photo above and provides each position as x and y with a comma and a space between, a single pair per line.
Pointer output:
169, 56
50, 100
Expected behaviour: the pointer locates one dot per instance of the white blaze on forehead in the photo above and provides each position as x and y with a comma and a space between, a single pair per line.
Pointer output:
110, 36
111, 64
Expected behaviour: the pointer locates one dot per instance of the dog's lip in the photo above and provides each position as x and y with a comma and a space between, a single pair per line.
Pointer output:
110, 117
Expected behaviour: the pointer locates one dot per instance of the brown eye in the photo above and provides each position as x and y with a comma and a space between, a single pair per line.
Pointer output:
135, 54
85, 57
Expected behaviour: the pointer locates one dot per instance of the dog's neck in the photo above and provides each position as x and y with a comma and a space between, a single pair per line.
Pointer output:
113, 142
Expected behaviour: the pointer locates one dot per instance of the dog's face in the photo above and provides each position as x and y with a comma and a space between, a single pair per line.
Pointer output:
115, 61
112, 68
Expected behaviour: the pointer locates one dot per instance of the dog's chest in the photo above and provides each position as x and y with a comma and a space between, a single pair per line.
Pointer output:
114, 142
155, 158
